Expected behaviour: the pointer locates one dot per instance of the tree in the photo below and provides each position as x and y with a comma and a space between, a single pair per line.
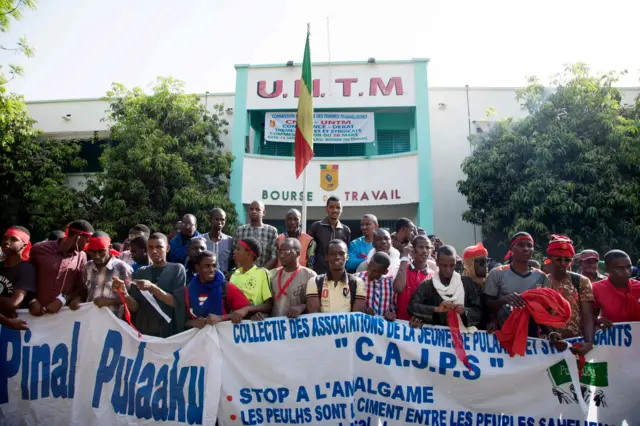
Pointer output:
12, 9
33, 189
571, 167
164, 160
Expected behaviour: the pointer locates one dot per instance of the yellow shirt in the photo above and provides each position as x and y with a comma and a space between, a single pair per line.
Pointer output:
336, 297
255, 284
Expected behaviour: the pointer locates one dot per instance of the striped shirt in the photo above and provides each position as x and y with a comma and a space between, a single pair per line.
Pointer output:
98, 282
380, 295
267, 235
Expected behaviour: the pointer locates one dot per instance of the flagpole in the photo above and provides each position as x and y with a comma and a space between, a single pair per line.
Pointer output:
304, 200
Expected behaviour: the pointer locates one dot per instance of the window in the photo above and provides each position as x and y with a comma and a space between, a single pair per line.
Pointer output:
276, 149
283, 149
339, 149
393, 141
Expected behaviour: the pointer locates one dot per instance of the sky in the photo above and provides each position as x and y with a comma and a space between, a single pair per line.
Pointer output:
82, 46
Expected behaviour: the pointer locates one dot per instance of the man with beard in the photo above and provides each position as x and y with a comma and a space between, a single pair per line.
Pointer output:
179, 245
505, 283
404, 233
326, 230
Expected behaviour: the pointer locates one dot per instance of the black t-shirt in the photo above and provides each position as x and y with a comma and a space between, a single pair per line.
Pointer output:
19, 277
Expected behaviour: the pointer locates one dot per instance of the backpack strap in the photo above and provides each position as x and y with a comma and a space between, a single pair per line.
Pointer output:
575, 280
225, 307
353, 286
320, 284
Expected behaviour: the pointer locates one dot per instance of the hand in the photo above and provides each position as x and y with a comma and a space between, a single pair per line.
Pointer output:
75, 303
15, 324
557, 342
294, 312
197, 323
238, 316
492, 326
54, 307
416, 322
257, 317
213, 319
444, 307
407, 251
35, 309
100, 302
459, 309
515, 300
145, 285
604, 323
118, 285
369, 310
390, 316
584, 349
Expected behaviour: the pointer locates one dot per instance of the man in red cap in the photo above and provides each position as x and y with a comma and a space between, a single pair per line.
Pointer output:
475, 260
99, 272
575, 288
17, 275
59, 266
588, 262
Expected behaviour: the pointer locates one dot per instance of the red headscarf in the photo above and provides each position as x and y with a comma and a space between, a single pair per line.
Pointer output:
561, 246
475, 251
15, 232
101, 243
525, 237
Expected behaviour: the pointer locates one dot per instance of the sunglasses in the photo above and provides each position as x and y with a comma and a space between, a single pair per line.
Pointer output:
481, 261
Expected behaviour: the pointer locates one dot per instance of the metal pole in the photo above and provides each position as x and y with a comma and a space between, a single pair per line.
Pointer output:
304, 200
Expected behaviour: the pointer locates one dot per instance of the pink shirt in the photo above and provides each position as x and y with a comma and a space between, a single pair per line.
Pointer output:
56, 273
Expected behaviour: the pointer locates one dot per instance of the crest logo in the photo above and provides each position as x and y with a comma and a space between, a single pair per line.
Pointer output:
272, 123
329, 177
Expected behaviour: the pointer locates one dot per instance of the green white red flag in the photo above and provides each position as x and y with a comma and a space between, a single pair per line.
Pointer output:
303, 146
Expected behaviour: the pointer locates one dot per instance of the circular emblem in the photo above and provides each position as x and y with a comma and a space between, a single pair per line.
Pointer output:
328, 178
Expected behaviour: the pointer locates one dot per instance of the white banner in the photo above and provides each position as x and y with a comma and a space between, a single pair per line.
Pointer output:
328, 127
86, 367
89, 368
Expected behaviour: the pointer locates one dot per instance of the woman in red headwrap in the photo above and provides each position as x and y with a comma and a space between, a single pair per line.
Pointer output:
575, 288
17, 275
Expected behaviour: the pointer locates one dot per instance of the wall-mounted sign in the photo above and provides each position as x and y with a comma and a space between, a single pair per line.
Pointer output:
358, 182
328, 127
360, 85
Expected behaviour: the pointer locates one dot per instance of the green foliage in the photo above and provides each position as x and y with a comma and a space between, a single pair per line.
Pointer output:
571, 167
165, 160
32, 181
12, 10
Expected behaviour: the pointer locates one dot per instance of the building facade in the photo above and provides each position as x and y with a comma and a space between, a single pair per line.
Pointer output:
386, 142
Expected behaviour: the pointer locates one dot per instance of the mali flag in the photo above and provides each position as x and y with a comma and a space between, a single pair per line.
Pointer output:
303, 148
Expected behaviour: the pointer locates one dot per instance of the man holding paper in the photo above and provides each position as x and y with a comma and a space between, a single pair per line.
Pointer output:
157, 295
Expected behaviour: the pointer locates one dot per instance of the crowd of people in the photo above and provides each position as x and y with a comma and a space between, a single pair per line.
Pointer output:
163, 285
